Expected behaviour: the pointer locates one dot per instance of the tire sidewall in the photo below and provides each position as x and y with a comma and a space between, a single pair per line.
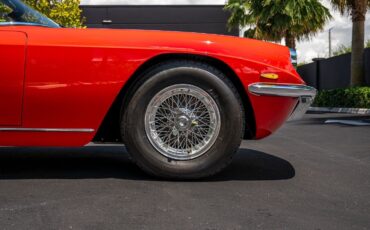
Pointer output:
229, 136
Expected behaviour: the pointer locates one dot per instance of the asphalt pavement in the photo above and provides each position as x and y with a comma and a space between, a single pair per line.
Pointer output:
308, 175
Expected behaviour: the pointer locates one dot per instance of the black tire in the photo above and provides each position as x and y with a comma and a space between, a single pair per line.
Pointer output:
199, 74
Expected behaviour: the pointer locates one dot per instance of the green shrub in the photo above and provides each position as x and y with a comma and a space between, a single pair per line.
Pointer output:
66, 13
342, 49
356, 97
4, 10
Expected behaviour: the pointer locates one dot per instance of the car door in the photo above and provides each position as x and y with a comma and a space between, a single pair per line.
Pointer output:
12, 73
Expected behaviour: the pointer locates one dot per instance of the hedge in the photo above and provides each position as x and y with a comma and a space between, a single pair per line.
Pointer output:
355, 97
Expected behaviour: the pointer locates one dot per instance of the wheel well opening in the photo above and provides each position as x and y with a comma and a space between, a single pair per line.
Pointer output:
109, 130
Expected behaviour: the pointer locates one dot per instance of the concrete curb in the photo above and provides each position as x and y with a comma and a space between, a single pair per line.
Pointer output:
339, 110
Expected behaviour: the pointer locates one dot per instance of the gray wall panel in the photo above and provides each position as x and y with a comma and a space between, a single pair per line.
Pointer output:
204, 19
166, 14
309, 73
217, 28
367, 66
94, 15
333, 73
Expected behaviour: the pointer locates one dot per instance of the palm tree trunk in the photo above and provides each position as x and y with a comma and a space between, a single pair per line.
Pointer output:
290, 40
358, 40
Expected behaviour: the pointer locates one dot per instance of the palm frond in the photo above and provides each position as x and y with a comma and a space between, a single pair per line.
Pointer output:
272, 19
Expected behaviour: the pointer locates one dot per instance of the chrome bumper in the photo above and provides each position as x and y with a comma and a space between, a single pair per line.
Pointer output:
305, 95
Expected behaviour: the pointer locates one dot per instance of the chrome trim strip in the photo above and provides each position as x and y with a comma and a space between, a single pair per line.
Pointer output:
301, 108
23, 24
282, 90
72, 130
104, 144
305, 95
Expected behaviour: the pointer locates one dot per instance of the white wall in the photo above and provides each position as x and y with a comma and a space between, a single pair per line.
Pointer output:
153, 2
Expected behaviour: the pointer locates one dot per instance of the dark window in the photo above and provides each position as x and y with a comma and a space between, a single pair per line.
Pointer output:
17, 12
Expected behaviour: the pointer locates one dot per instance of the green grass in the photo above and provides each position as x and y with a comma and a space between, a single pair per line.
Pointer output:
355, 97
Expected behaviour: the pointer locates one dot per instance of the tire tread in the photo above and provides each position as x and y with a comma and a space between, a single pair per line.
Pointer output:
199, 64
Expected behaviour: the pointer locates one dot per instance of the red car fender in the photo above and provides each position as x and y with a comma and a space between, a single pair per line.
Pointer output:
72, 77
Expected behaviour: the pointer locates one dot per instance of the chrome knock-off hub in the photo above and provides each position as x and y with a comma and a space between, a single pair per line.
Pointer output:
183, 123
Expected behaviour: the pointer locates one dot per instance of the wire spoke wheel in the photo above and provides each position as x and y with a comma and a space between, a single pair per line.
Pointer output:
182, 122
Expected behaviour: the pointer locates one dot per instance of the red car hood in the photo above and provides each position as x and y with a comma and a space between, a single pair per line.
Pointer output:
209, 44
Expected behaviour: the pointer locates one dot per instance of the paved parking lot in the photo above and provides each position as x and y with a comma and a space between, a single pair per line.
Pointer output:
309, 175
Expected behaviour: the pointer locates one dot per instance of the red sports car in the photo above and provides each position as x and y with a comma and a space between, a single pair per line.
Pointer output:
180, 102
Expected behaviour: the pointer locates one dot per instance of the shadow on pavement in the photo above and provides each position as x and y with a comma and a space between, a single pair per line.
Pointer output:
113, 162
252, 165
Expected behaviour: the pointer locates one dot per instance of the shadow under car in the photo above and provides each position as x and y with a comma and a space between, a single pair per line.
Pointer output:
113, 162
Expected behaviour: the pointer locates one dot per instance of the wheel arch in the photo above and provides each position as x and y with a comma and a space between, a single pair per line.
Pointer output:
109, 130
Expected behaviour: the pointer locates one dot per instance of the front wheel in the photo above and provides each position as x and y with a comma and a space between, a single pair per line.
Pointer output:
184, 120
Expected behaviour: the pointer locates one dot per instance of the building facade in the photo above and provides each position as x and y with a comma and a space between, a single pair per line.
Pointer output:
191, 18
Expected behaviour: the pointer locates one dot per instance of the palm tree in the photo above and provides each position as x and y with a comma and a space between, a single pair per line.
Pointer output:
357, 9
274, 20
